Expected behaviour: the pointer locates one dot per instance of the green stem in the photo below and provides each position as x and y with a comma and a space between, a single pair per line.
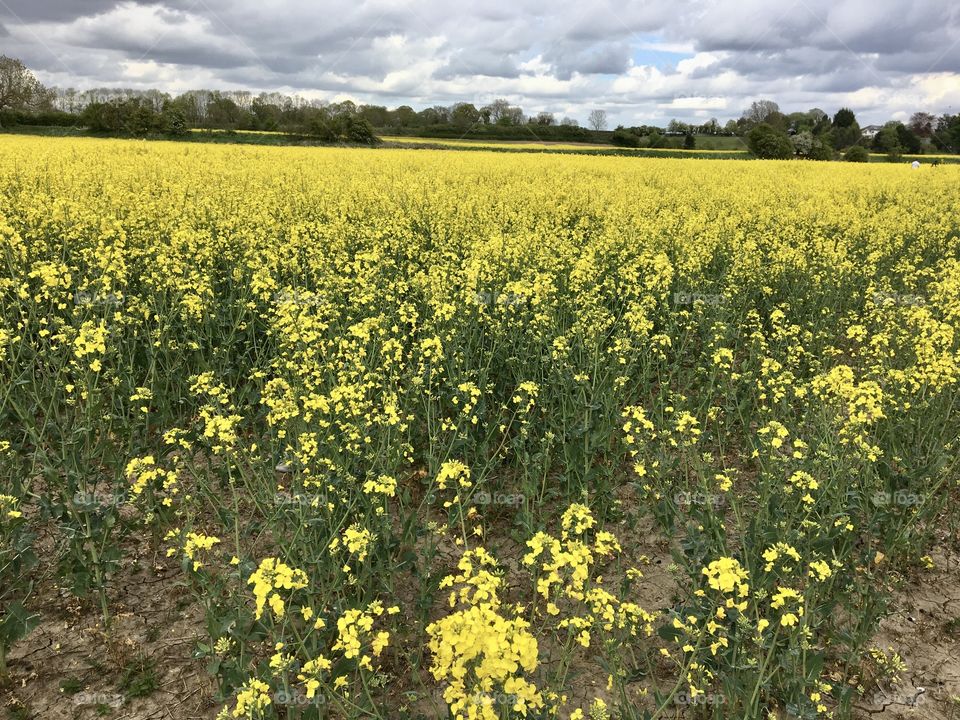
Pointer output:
4, 674
682, 678
763, 668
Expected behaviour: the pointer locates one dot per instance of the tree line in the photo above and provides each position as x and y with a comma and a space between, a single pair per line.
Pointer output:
143, 112
816, 135
766, 130
770, 133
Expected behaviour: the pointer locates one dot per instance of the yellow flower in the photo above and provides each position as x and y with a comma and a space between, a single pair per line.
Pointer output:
453, 472
252, 698
271, 576
725, 575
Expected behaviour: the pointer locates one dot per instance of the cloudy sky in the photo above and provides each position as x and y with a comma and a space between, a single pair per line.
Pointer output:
640, 61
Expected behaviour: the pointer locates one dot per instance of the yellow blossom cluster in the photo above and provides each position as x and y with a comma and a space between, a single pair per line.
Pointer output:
273, 576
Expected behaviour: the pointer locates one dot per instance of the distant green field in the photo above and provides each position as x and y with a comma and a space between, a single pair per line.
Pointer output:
559, 147
709, 147
924, 159
239, 137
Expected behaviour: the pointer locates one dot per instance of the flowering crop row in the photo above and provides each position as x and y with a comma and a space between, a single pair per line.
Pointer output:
398, 413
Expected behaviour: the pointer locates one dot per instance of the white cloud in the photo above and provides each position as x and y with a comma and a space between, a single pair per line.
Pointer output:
643, 62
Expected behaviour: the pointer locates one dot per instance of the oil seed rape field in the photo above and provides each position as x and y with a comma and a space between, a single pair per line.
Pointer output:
337, 433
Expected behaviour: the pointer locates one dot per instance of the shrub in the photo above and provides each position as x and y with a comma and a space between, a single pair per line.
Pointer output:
134, 117
767, 142
358, 130
624, 138
174, 122
857, 153
821, 151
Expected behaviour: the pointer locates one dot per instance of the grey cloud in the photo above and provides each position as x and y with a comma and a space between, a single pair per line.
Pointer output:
479, 62
806, 62
847, 80
566, 58
67, 10
796, 54
936, 59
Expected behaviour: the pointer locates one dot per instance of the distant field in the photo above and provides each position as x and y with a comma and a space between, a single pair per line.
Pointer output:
881, 157
735, 145
558, 147
514, 144
736, 149
731, 148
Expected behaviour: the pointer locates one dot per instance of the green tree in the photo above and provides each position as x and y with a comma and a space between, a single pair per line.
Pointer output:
266, 115
501, 112
464, 115
909, 140
135, 117
846, 130
139, 118
341, 128
625, 138
800, 121
846, 136
844, 118
821, 150
404, 116
356, 129
101, 117
778, 120
223, 113
953, 132
887, 140
857, 153
767, 142
174, 121
946, 135
656, 140
376, 115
